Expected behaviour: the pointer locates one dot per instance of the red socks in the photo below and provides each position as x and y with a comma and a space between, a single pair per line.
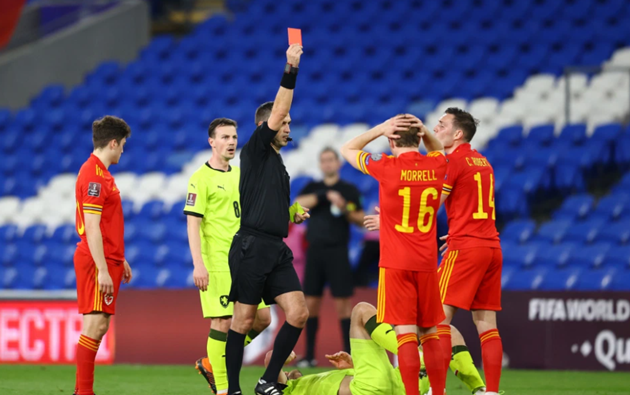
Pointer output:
409, 361
444, 332
86, 354
434, 362
492, 357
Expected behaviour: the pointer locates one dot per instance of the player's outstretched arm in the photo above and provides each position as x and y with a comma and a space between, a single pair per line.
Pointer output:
352, 148
95, 243
284, 97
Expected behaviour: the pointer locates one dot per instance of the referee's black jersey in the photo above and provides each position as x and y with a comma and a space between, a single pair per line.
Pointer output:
264, 185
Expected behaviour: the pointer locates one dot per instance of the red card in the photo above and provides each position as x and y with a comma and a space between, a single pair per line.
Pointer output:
295, 36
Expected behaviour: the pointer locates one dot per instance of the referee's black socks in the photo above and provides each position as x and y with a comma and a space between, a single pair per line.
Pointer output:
286, 339
312, 325
234, 359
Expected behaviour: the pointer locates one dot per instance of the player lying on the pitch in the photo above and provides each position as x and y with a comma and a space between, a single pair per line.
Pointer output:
368, 370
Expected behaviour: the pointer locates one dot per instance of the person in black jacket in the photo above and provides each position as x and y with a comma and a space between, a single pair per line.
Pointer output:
335, 204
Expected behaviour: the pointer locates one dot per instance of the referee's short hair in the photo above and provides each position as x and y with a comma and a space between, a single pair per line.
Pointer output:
107, 129
220, 122
263, 112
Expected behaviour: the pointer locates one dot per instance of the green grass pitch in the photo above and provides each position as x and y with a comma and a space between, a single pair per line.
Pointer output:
184, 380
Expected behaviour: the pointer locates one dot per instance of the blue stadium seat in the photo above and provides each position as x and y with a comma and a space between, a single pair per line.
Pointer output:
613, 206
8, 233
555, 255
524, 279
584, 232
595, 279
620, 281
575, 207
139, 252
518, 231
520, 255
616, 232
152, 210
619, 256
574, 134
541, 135
560, 279
589, 256
154, 232
553, 231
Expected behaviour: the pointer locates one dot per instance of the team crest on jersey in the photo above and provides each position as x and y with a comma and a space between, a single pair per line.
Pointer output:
191, 200
223, 299
108, 299
94, 189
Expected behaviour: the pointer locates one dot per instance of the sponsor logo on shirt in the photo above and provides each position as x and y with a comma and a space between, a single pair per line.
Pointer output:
192, 198
94, 189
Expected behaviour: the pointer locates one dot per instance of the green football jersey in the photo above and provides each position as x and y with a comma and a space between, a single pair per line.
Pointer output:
326, 383
214, 196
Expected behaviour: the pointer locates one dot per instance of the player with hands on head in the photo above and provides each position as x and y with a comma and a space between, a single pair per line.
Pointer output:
470, 273
213, 215
410, 185
260, 262
99, 259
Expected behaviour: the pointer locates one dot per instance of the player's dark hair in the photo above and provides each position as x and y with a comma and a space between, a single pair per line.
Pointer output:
329, 149
220, 122
107, 129
463, 120
408, 138
263, 112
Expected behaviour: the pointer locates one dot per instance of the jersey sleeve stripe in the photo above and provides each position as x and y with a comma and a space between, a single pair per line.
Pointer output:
194, 214
447, 186
92, 212
361, 161
92, 205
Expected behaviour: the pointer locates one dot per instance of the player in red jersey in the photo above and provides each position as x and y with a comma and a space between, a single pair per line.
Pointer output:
410, 185
470, 274
99, 260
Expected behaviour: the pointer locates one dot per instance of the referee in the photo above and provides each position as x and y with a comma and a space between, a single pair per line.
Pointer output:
261, 264
336, 204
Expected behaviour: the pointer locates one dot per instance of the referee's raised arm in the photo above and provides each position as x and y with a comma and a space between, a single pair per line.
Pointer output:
284, 97
261, 264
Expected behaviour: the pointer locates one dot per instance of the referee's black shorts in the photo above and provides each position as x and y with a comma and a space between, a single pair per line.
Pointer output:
328, 264
261, 267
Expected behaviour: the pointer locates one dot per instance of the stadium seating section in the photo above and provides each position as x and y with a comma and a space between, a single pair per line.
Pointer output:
364, 62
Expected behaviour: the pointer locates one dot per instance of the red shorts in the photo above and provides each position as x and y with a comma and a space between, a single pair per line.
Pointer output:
406, 297
471, 278
89, 297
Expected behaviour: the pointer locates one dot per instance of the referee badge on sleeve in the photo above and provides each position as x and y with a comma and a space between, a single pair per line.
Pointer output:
191, 200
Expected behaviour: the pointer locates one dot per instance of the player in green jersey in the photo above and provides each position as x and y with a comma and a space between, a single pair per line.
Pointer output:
213, 214
367, 371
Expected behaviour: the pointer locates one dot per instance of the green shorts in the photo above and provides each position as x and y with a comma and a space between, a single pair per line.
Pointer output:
214, 301
373, 372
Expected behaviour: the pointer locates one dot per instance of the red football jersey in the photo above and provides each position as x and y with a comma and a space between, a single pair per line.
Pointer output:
96, 193
470, 206
410, 187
